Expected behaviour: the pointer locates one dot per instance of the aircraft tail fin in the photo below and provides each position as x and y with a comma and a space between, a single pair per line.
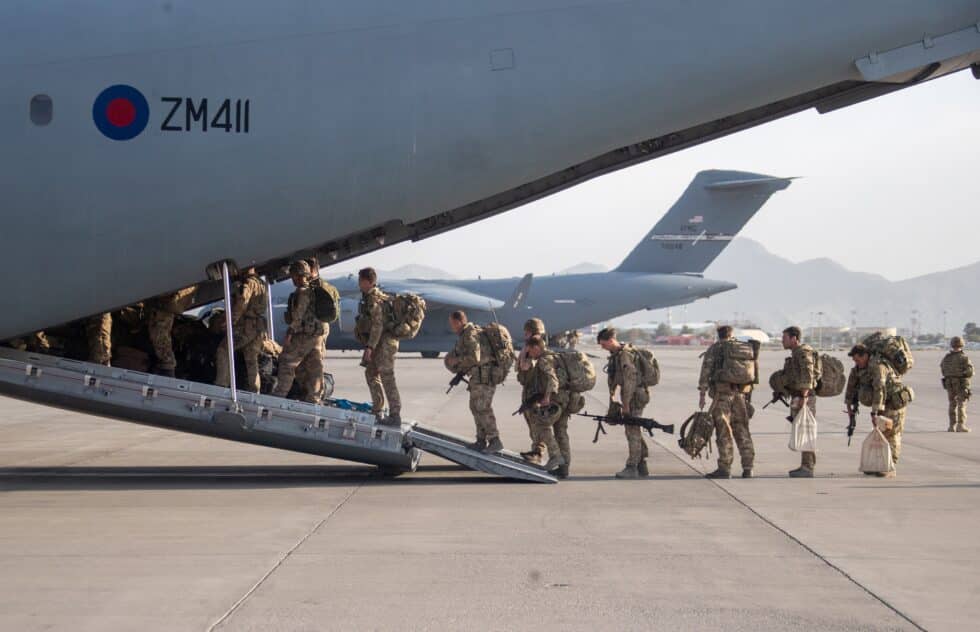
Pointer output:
715, 206
517, 299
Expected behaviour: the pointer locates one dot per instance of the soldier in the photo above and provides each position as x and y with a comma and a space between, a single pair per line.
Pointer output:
532, 327
879, 387
957, 371
729, 409
380, 348
36, 342
542, 384
627, 396
305, 372
98, 332
249, 305
471, 356
800, 375
160, 325
304, 338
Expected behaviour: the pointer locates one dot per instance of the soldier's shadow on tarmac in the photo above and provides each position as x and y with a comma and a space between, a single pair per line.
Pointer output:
231, 477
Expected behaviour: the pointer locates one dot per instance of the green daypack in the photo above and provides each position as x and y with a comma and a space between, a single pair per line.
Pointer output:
831, 378
326, 301
403, 315
501, 346
695, 434
894, 349
737, 363
575, 371
648, 366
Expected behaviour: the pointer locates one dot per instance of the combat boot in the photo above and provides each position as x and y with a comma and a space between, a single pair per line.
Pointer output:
962, 428
166, 372
495, 445
952, 428
532, 456
747, 472
630, 471
562, 471
477, 446
719, 473
554, 462
642, 469
801, 472
393, 419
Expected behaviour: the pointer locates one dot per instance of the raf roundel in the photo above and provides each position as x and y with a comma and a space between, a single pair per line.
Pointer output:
121, 112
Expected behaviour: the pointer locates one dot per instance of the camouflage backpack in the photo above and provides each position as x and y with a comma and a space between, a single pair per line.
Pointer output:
777, 382
326, 301
695, 434
501, 347
403, 315
737, 363
575, 371
893, 349
648, 366
831, 377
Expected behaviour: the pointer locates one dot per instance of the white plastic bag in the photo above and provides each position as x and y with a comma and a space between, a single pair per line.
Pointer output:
803, 435
876, 453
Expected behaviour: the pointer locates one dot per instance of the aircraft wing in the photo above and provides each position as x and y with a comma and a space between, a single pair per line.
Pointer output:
447, 295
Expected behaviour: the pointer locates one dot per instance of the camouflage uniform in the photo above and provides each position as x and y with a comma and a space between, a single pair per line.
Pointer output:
622, 373
160, 325
98, 331
730, 412
304, 344
380, 370
536, 327
957, 371
542, 380
800, 374
34, 343
473, 361
249, 304
875, 386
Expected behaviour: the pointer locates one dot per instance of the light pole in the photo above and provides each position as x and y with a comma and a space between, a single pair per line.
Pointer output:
819, 330
944, 324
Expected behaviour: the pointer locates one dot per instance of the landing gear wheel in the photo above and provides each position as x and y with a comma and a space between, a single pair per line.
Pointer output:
328, 384
430, 355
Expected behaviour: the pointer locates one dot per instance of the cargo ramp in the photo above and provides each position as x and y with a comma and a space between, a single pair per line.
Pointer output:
204, 409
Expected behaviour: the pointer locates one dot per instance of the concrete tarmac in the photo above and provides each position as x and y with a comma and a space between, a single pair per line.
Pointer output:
106, 525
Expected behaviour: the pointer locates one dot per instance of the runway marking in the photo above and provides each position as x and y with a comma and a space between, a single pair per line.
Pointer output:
282, 559
796, 540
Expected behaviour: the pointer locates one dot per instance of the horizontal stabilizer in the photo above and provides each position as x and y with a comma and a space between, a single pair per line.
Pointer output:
715, 206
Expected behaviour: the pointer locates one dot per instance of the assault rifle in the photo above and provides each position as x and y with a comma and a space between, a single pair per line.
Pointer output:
528, 404
852, 414
777, 397
453, 383
626, 420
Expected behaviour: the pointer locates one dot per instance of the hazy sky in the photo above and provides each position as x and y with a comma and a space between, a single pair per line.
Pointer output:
890, 186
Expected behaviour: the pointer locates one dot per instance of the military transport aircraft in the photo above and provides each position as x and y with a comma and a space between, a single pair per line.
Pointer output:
149, 146
663, 270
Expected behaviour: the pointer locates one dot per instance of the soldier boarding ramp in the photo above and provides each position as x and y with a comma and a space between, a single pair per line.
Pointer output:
204, 409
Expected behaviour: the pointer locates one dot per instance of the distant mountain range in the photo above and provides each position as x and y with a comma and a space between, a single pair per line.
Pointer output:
774, 292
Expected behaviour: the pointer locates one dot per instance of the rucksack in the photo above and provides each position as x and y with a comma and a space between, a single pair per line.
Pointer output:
403, 315
695, 434
648, 366
502, 350
736, 362
894, 349
326, 301
831, 378
575, 371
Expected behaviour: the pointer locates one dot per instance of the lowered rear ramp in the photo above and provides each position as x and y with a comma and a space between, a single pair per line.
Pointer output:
258, 419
